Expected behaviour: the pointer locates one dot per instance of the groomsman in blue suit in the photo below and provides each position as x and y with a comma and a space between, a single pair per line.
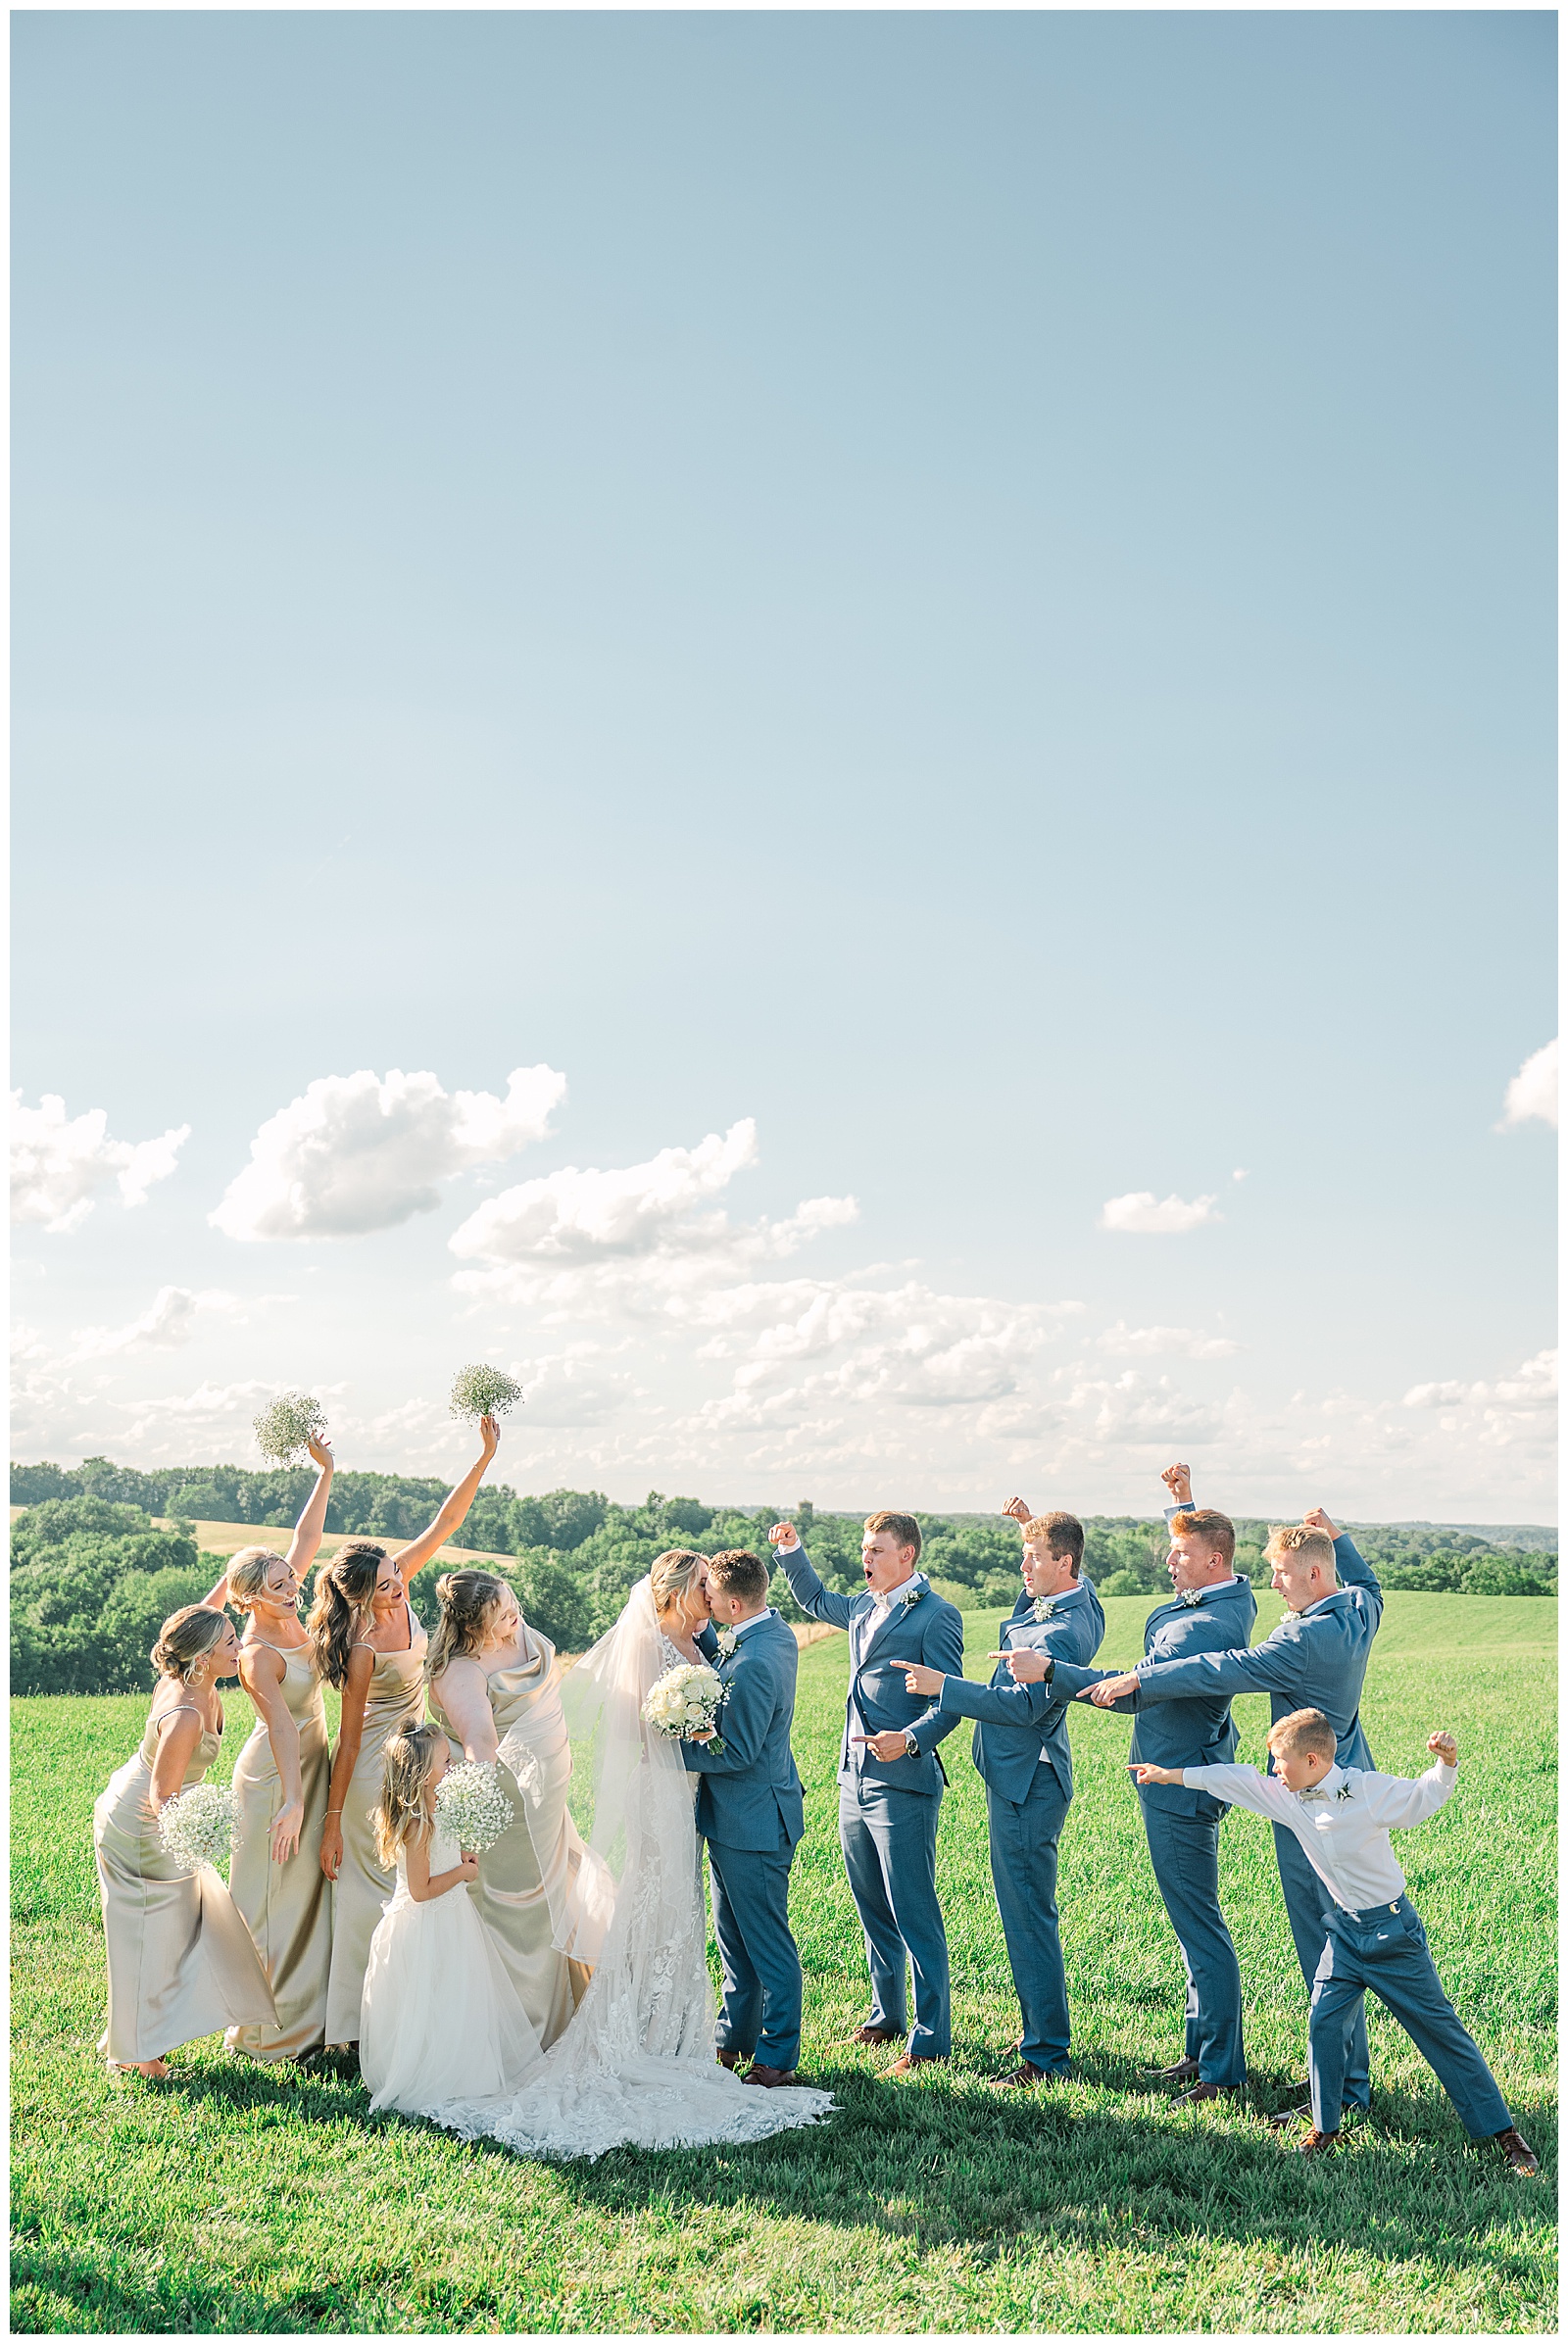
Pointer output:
750, 1811
890, 1776
1212, 1610
1024, 1759
1314, 1659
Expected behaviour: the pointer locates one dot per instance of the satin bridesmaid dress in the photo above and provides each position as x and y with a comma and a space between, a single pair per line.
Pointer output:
364, 1884
287, 1906
525, 1878
180, 1958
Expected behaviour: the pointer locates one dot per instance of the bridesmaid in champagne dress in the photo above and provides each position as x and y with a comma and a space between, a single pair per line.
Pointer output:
281, 1780
370, 1645
180, 1958
495, 1686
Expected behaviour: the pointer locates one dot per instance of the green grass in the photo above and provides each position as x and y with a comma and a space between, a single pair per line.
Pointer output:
237, 2199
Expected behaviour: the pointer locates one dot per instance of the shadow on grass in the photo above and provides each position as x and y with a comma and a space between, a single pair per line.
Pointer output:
80, 2291
946, 2162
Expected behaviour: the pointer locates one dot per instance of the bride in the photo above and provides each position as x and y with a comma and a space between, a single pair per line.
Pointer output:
636, 2066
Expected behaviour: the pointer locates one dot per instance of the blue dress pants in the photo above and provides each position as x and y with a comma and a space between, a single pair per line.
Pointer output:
1024, 1837
763, 1992
1386, 1950
1184, 1851
1310, 1906
889, 1839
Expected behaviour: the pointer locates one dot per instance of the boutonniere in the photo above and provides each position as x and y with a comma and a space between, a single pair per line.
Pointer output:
1344, 1793
1192, 1597
1041, 1609
913, 1596
728, 1642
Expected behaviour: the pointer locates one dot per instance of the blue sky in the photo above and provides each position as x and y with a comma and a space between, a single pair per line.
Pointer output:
972, 593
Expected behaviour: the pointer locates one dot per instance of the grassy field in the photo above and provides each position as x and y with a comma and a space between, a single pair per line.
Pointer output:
237, 2199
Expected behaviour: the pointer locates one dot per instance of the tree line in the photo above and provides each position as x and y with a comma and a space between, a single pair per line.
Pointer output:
93, 1576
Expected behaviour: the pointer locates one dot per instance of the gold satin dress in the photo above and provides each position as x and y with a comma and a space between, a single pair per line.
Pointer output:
396, 1697
287, 1906
538, 1855
180, 1958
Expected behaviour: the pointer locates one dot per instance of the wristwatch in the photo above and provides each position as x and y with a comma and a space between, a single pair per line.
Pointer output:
912, 1748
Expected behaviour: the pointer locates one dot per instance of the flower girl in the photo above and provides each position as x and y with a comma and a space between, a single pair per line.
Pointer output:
439, 2017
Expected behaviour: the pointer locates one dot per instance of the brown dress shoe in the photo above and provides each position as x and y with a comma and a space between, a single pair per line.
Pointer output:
768, 2078
875, 2034
1185, 2071
1203, 2091
730, 2058
918, 2059
1517, 2150
1318, 2144
1023, 2076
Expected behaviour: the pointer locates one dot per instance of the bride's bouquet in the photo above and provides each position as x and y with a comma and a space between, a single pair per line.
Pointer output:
472, 1807
196, 1826
686, 1700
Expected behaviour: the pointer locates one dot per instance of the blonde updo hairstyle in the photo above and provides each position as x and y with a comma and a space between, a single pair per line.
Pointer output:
343, 1606
186, 1637
673, 1575
247, 1575
401, 1812
469, 1600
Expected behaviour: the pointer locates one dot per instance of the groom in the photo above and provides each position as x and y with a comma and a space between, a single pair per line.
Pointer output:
752, 1812
890, 1776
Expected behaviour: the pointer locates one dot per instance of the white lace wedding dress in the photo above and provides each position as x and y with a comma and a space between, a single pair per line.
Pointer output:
636, 2066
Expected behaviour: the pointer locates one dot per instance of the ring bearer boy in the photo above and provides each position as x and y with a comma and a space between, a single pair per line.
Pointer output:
1022, 1754
1210, 1610
890, 1776
1315, 1658
1341, 1817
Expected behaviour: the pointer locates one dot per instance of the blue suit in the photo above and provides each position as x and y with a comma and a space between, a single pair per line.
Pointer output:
888, 1808
1024, 1758
1182, 1825
1312, 1660
751, 1810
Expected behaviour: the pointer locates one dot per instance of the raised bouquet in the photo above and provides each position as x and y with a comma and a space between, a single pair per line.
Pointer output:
686, 1700
480, 1389
197, 1826
286, 1426
472, 1807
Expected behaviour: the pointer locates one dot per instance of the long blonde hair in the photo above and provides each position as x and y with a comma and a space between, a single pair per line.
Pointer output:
344, 1602
401, 1812
468, 1600
186, 1637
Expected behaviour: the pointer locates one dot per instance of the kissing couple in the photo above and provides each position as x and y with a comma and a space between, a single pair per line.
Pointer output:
635, 2064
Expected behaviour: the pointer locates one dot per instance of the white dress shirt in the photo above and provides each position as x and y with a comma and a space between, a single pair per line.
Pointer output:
1343, 1823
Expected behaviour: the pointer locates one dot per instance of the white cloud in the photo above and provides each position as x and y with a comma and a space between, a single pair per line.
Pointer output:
641, 1237
169, 1321
356, 1153
1531, 1096
59, 1163
1240, 1173
1520, 1406
1146, 1342
1141, 1214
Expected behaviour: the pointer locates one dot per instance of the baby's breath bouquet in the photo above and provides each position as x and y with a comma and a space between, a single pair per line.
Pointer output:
196, 1826
686, 1700
472, 1807
286, 1426
480, 1389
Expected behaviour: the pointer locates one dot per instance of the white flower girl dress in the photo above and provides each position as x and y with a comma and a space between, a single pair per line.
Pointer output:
439, 2017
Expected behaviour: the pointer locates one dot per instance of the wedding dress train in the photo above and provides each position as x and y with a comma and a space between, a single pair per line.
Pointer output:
636, 2066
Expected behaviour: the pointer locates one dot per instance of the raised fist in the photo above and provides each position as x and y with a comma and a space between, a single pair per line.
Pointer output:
1018, 1510
1178, 1480
783, 1534
1318, 1520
